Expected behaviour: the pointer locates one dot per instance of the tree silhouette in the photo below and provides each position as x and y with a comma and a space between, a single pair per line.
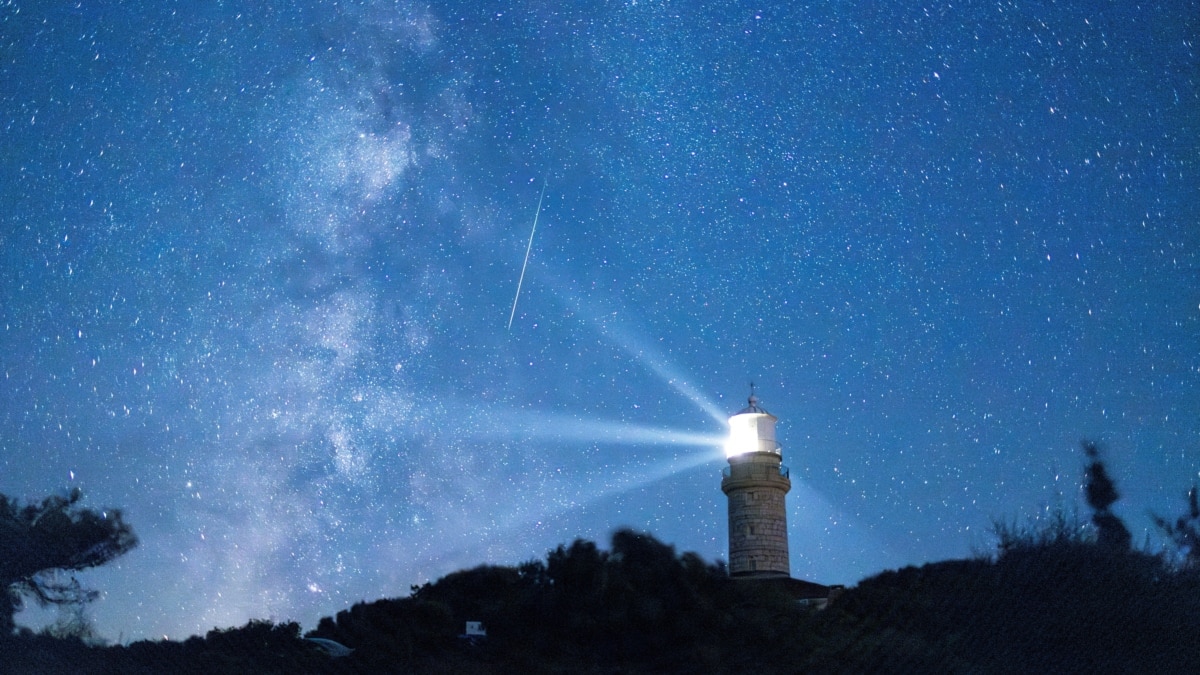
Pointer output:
38, 542
1184, 533
1101, 494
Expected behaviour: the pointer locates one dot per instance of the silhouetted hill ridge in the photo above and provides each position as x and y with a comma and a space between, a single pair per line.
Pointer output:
1058, 606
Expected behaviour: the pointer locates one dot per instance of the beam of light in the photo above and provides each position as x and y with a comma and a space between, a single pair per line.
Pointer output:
642, 477
640, 349
849, 549
528, 248
565, 427
461, 540
657, 363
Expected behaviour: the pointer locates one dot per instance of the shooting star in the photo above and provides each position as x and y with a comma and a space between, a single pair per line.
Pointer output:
528, 248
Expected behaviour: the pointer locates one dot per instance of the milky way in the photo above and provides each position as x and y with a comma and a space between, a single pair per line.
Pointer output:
258, 264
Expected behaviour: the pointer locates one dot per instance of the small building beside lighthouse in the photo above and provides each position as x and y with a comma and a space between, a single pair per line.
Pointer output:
756, 483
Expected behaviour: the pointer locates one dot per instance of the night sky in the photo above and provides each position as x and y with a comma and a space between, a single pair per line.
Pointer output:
258, 266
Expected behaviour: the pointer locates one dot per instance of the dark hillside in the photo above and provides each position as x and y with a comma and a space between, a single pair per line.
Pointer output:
1063, 606
637, 606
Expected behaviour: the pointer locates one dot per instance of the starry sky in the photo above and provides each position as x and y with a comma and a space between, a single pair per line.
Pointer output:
259, 261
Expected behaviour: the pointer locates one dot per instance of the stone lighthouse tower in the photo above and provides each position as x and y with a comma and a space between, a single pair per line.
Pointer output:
756, 482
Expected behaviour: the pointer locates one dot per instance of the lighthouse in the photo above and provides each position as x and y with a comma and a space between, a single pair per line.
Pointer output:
756, 482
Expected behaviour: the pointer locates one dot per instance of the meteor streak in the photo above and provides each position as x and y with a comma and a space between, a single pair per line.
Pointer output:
528, 248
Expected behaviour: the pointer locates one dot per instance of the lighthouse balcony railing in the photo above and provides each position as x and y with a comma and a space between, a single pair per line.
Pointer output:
783, 471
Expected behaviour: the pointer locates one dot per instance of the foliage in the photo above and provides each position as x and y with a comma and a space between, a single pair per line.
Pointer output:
1059, 597
1184, 533
1059, 528
1061, 607
1067, 604
1063, 528
638, 605
74, 624
1101, 493
41, 542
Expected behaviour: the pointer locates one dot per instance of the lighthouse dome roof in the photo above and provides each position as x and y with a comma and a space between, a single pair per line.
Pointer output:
753, 408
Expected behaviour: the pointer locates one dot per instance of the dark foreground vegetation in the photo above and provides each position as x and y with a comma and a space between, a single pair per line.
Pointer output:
1062, 597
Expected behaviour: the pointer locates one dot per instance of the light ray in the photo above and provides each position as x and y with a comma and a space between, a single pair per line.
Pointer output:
657, 362
639, 348
564, 427
460, 540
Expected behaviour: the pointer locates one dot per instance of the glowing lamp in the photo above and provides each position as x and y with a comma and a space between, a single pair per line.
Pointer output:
751, 430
